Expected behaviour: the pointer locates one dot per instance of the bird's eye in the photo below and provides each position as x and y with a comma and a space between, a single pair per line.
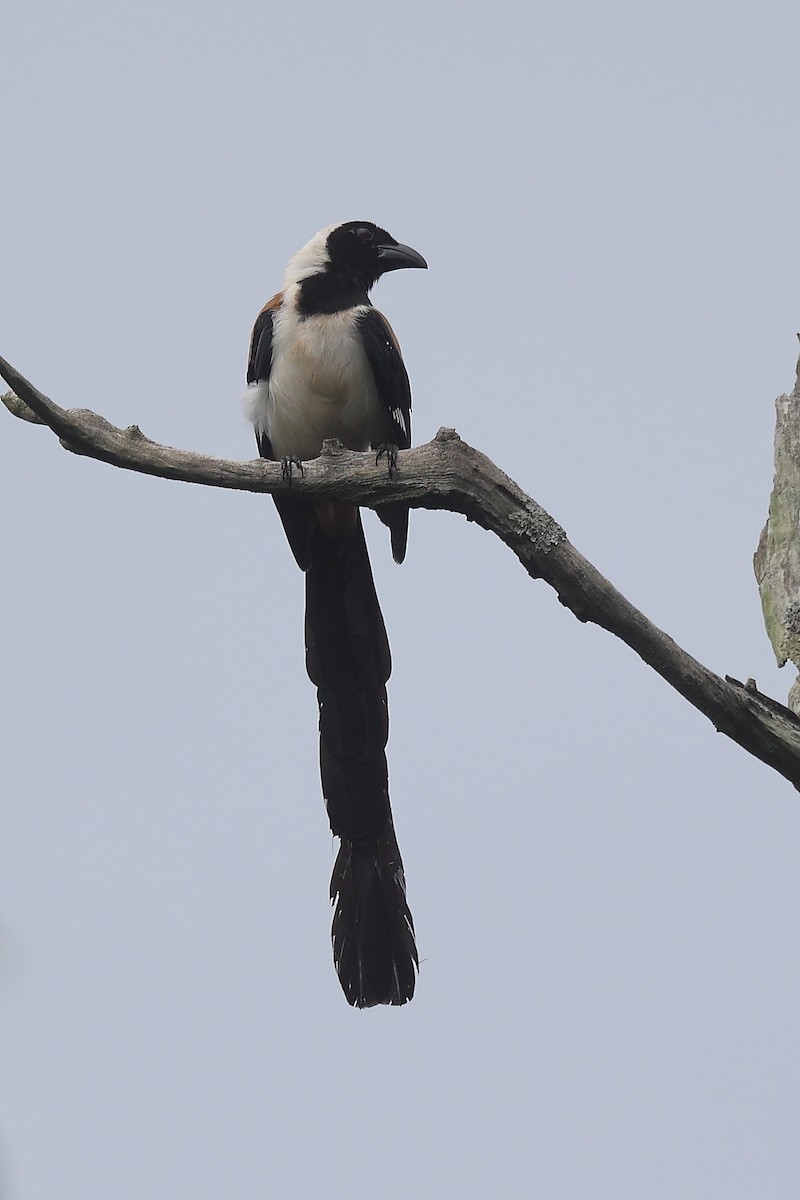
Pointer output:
364, 234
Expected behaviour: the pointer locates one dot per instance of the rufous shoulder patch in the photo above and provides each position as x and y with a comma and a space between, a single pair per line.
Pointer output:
275, 302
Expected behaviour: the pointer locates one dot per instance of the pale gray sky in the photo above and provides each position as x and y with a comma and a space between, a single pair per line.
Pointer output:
607, 893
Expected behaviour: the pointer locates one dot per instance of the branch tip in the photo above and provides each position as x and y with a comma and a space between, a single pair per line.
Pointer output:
18, 408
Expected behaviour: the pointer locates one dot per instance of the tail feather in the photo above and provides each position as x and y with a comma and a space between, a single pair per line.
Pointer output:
348, 658
373, 930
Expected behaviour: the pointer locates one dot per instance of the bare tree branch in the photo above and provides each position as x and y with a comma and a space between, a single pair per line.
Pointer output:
448, 474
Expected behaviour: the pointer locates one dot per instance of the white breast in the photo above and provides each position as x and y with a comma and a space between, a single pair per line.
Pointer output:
321, 386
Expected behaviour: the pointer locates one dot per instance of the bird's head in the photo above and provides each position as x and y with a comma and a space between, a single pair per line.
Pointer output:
354, 250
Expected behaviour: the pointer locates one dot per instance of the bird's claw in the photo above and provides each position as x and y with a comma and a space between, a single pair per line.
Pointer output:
288, 464
390, 450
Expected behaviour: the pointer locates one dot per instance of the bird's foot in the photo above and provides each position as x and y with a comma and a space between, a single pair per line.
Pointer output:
288, 464
390, 451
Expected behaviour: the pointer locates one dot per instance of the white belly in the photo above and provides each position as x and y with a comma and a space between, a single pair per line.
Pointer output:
321, 386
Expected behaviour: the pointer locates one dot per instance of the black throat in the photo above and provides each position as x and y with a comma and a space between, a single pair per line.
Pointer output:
329, 292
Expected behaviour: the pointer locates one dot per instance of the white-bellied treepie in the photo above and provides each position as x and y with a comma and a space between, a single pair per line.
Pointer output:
325, 364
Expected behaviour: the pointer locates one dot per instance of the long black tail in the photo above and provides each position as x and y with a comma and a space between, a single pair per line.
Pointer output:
347, 656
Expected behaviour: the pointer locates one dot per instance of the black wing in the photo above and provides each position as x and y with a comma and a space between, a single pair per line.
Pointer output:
383, 354
259, 362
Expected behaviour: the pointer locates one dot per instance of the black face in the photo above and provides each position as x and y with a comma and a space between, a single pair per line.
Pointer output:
363, 252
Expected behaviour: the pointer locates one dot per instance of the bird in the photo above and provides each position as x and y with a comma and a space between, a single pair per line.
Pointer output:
323, 364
